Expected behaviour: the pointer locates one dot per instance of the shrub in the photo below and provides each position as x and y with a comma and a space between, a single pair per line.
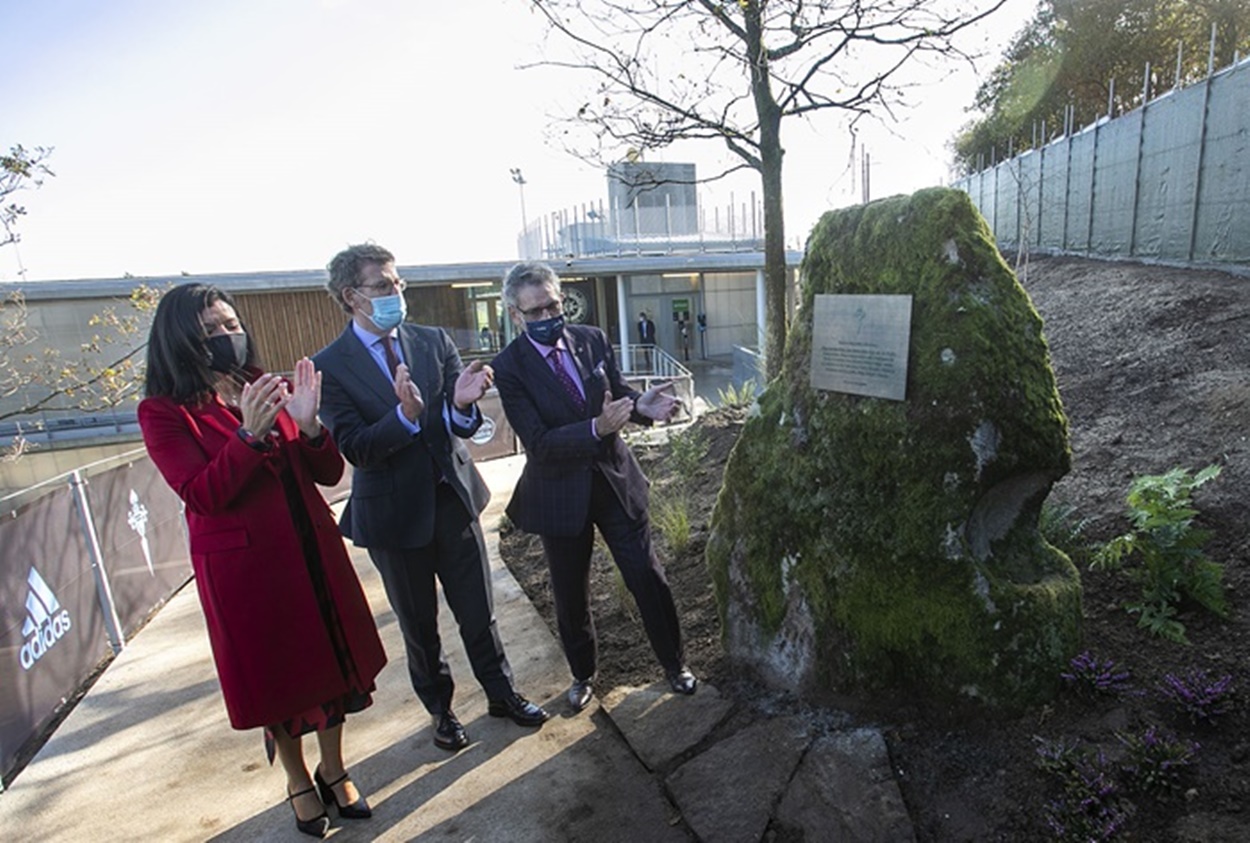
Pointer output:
1197, 696
1155, 761
1090, 677
1169, 548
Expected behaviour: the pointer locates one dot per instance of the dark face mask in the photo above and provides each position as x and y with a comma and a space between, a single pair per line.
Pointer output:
226, 352
546, 331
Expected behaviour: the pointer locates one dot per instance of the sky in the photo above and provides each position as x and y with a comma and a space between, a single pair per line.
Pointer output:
255, 135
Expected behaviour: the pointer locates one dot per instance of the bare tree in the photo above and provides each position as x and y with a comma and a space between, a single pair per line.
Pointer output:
20, 169
35, 377
732, 70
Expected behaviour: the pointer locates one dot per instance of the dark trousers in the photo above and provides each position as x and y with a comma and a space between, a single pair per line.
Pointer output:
568, 560
457, 556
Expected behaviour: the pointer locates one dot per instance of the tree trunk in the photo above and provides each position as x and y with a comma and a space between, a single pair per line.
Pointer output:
777, 314
771, 153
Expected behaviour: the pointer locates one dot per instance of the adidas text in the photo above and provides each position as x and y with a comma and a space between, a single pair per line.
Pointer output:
44, 639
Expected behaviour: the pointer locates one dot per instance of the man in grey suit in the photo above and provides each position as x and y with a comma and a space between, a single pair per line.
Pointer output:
398, 401
567, 401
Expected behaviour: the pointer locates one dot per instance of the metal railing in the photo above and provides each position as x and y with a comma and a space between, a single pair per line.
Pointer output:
649, 364
597, 229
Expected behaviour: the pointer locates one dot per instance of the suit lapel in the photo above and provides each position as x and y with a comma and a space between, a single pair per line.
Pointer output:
217, 416
359, 361
581, 355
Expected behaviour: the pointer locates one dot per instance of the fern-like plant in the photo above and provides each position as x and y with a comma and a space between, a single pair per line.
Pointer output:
1167, 551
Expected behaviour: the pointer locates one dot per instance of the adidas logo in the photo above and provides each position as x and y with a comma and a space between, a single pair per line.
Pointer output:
46, 622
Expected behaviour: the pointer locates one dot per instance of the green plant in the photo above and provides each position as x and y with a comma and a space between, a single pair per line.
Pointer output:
1198, 696
1155, 762
1090, 805
1090, 677
1168, 546
686, 451
741, 396
671, 517
1061, 527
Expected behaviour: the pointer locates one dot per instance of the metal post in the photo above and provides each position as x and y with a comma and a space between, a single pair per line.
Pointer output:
112, 623
761, 310
1202, 151
1141, 144
668, 221
622, 319
520, 183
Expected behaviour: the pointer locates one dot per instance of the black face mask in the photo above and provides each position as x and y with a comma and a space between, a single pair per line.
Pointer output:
226, 352
546, 331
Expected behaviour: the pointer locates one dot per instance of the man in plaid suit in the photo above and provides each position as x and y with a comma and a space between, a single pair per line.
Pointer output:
565, 398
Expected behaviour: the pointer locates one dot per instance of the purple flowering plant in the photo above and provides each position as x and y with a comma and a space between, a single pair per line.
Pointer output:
1155, 761
1198, 696
1089, 676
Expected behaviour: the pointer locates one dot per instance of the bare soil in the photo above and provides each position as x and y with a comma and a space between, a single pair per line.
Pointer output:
1153, 365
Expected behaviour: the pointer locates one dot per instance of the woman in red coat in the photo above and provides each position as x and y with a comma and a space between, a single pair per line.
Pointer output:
293, 637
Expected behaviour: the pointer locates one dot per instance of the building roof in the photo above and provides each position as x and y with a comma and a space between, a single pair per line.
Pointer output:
415, 274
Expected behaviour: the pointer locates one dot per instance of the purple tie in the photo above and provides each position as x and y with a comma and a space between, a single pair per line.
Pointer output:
388, 349
566, 381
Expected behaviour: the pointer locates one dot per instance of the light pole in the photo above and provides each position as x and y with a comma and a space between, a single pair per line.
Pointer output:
520, 183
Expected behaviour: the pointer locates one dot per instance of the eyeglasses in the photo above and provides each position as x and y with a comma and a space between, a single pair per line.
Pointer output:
386, 285
548, 310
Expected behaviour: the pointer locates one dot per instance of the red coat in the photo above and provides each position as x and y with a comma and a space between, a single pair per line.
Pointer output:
273, 655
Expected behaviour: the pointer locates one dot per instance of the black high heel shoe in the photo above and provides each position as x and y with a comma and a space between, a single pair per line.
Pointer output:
318, 825
358, 810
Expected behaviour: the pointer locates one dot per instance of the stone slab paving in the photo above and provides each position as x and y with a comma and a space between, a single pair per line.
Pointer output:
844, 789
661, 726
727, 793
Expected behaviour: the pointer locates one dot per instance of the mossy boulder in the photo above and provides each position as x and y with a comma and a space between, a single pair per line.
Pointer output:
863, 543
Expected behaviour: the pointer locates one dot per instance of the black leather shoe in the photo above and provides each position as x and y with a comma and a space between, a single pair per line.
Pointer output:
448, 733
520, 710
580, 693
358, 810
318, 825
682, 681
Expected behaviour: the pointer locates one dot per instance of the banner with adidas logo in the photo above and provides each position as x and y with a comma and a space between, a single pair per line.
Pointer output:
46, 622
52, 632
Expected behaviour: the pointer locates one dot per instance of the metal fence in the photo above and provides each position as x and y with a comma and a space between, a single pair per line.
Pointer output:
1167, 182
599, 229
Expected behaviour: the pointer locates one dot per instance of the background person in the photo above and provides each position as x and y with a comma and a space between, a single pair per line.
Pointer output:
292, 635
566, 400
399, 402
646, 337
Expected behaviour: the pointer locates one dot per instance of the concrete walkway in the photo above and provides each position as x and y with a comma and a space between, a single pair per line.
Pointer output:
148, 754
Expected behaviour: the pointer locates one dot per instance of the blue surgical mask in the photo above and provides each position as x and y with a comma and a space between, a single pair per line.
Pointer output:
388, 311
546, 331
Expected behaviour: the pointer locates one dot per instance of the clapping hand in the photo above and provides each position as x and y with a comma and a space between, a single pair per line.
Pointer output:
472, 384
660, 402
305, 400
614, 416
261, 401
411, 404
